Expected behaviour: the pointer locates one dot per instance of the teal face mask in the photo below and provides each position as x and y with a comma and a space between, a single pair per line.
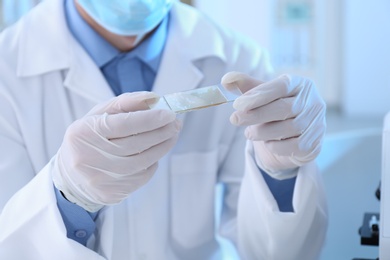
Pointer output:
127, 17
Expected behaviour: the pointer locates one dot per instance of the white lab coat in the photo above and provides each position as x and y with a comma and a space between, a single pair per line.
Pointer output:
47, 81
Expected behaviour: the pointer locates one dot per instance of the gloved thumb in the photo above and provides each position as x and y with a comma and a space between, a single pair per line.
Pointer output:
244, 82
127, 102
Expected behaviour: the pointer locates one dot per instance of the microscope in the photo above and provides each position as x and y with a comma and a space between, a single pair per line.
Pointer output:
384, 227
369, 231
375, 230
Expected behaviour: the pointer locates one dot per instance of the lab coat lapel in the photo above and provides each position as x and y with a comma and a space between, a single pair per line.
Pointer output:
85, 78
189, 39
59, 52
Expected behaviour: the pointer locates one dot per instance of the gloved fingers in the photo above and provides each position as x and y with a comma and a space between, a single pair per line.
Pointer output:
116, 167
85, 156
304, 119
281, 87
275, 131
278, 110
138, 143
306, 145
127, 124
148, 157
132, 182
127, 102
279, 167
244, 82
111, 191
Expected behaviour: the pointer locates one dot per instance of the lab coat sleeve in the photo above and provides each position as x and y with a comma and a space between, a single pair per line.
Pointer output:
266, 233
31, 218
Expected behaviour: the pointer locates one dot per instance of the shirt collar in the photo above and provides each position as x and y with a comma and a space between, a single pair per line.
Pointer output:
150, 49
101, 51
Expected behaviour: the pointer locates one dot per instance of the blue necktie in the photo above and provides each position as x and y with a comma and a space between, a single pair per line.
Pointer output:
128, 74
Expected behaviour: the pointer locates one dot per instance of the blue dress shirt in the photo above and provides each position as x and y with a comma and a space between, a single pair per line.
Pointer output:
138, 67
282, 190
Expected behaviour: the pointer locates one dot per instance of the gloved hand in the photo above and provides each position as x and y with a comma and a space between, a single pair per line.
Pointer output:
285, 119
113, 150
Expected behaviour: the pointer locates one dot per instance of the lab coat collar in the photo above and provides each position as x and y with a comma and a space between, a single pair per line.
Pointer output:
43, 46
190, 39
47, 45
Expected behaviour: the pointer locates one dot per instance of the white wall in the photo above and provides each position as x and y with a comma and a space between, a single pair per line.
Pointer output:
347, 43
366, 57
317, 41
247, 16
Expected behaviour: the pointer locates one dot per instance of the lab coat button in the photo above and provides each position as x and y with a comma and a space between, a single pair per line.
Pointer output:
80, 233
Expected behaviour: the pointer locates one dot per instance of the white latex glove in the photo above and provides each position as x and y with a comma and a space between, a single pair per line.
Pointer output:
113, 150
285, 119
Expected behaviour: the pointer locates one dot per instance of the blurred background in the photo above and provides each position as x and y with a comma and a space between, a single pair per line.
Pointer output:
343, 46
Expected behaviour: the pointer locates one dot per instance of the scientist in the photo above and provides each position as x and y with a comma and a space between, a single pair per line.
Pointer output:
88, 171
